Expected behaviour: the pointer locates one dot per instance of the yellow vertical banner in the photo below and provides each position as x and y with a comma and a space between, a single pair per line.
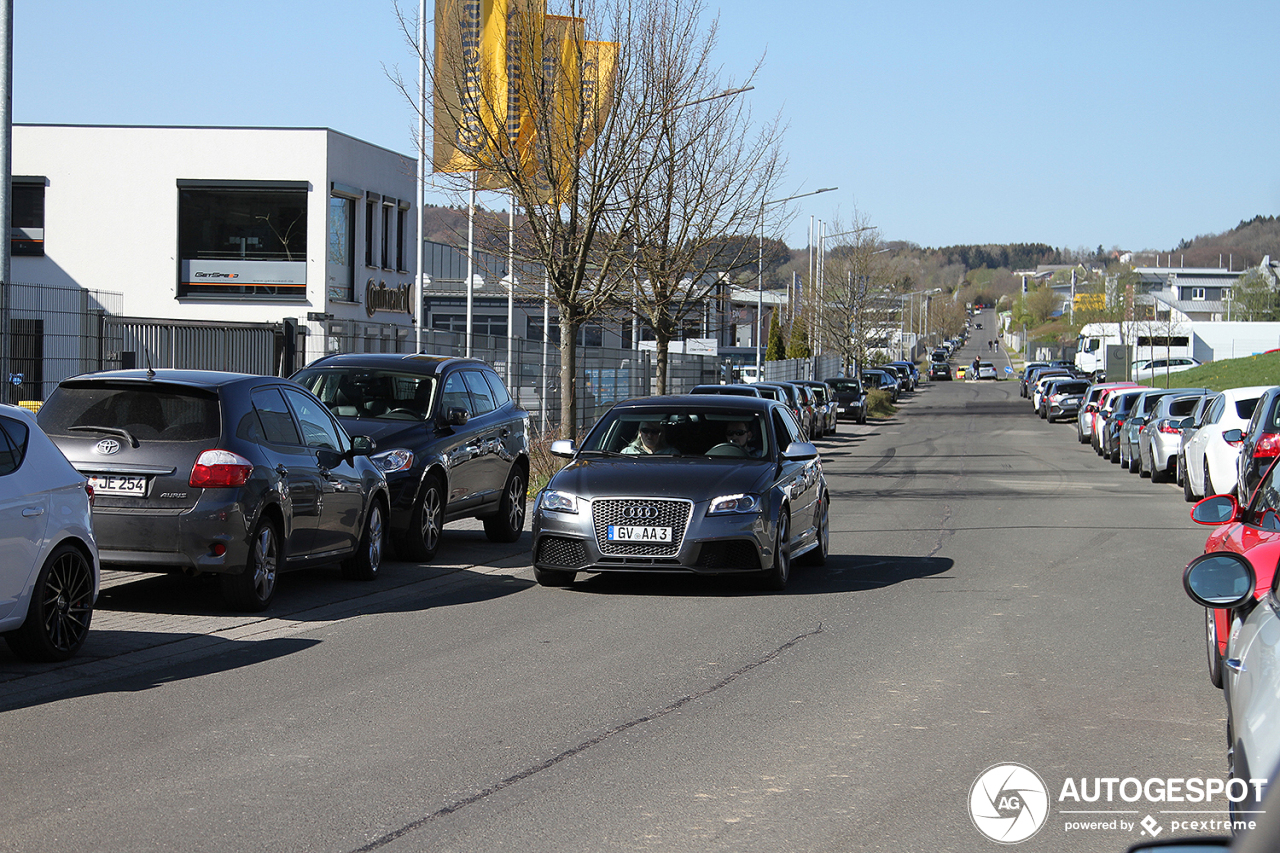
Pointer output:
599, 67
483, 61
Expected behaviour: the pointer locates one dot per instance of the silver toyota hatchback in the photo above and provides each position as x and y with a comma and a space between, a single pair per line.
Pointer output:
223, 473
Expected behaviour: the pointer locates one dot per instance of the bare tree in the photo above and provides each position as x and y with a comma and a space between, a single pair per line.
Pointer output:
704, 175
858, 311
558, 112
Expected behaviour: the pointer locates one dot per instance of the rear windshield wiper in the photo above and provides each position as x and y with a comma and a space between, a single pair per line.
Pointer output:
123, 433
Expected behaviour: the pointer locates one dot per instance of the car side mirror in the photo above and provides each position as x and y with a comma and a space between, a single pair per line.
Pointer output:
1186, 422
1221, 579
457, 417
1233, 436
1216, 509
564, 448
362, 445
1138, 421
800, 451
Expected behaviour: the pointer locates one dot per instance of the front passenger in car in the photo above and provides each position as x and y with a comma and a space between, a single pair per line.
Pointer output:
651, 439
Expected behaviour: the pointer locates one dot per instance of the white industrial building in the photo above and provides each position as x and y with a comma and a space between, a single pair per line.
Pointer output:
226, 224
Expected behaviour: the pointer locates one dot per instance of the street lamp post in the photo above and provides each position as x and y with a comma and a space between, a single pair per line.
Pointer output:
760, 273
820, 289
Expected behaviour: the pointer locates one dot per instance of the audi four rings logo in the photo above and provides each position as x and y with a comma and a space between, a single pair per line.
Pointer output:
640, 512
107, 446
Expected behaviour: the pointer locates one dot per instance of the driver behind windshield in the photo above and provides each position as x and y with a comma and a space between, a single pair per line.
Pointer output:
739, 434
651, 439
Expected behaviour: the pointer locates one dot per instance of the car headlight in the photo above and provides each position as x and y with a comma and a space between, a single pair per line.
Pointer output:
397, 459
559, 501
726, 504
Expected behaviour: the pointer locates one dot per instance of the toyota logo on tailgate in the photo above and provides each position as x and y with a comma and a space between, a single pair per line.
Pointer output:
107, 446
640, 512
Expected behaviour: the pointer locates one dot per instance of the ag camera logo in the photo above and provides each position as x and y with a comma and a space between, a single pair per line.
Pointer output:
1008, 803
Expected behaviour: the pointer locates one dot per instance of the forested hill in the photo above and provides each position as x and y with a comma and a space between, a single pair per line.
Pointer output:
1245, 245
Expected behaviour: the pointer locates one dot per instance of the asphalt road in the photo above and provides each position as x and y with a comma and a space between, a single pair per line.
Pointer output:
996, 593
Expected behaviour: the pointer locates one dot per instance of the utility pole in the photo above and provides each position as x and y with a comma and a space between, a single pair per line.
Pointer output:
6, 187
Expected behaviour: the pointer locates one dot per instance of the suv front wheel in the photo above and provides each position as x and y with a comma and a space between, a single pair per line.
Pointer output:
421, 541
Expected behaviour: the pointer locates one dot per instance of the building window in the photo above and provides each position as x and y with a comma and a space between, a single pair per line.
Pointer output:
1197, 293
481, 324
402, 239
370, 230
26, 235
589, 335
342, 236
242, 240
386, 236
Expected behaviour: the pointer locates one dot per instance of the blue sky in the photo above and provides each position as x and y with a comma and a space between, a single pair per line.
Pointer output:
1077, 124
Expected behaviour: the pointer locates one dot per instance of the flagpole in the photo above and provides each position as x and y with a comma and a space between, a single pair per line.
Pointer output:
422, 171
511, 287
471, 247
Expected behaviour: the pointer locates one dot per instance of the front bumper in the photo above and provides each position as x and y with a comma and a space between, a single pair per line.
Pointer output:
721, 544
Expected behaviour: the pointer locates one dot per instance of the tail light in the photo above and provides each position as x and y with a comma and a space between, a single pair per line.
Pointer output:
88, 487
1169, 427
220, 469
1268, 445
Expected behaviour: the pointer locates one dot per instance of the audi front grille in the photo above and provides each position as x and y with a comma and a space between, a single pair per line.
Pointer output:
640, 512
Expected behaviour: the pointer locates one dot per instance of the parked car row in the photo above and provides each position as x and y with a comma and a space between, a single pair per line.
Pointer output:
246, 477
1221, 445
816, 405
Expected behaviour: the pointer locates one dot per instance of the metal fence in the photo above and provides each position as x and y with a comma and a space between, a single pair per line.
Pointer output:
57, 332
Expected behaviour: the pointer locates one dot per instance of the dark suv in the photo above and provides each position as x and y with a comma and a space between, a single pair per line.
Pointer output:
209, 472
450, 440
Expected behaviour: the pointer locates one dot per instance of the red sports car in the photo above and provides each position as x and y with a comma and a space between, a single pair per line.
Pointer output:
1253, 531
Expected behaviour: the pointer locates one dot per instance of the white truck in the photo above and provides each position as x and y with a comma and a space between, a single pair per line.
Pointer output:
1101, 349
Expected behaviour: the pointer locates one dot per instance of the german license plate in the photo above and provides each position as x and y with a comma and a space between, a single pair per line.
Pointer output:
621, 533
119, 484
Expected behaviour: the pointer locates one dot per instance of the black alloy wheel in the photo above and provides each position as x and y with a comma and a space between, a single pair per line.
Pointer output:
61, 608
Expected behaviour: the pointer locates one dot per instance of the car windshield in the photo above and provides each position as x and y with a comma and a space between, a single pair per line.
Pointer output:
844, 385
685, 432
357, 392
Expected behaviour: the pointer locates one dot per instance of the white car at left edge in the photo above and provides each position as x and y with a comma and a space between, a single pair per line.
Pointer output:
49, 570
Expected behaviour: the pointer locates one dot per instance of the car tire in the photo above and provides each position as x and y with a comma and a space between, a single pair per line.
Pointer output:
1187, 495
1208, 481
553, 577
363, 565
818, 556
507, 523
1114, 456
1158, 474
776, 577
426, 523
61, 608
1211, 644
835, 426
251, 590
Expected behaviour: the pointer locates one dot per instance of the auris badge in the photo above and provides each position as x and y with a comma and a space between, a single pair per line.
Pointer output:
1009, 803
107, 446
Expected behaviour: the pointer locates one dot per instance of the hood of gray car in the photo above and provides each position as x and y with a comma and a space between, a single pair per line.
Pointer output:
696, 478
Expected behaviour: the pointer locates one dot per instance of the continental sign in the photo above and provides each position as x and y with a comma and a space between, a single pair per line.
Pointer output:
379, 297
